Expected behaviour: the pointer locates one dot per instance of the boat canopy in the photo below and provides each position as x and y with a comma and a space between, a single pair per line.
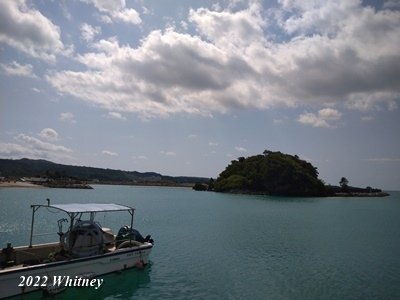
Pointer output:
90, 207
75, 211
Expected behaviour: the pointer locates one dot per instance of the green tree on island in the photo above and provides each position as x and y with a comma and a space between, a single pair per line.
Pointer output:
272, 173
344, 184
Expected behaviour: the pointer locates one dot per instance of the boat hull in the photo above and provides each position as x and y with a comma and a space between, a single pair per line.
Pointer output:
118, 260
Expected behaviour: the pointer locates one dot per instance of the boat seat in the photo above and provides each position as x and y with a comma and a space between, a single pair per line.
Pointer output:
108, 236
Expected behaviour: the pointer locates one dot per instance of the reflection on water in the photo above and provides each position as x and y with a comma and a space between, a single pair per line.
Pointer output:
120, 285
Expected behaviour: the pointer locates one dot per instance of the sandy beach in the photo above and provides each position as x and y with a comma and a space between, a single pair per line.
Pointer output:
19, 184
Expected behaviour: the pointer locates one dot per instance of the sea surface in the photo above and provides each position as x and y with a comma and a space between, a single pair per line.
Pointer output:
221, 246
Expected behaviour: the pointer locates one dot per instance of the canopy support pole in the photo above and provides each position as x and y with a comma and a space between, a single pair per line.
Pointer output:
34, 209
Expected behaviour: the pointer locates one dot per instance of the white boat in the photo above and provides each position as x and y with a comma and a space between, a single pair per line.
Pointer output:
85, 248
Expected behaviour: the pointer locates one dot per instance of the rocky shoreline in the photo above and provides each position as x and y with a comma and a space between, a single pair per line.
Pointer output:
21, 184
374, 194
69, 186
338, 194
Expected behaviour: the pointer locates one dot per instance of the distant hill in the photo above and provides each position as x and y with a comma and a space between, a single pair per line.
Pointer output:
25, 167
272, 173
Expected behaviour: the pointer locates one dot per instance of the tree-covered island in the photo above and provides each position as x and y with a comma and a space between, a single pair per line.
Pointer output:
272, 173
279, 174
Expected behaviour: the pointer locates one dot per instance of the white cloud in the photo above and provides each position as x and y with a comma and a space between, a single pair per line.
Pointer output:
16, 69
332, 52
109, 153
49, 134
37, 144
11, 150
240, 149
227, 29
164, 80
323, 118
26, 29
329, 114
65, 11
31, 147
115, 10
212, 144
316, 16
192, 136
115, 115
106, 19
88, 32
67, 117
127, 15
107, 5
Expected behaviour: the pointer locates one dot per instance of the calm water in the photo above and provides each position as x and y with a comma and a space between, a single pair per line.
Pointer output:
216, 246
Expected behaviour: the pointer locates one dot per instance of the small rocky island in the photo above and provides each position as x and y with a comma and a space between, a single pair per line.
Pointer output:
279, 174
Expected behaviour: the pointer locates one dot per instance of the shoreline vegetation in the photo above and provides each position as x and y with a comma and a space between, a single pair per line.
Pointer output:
19, 184
86, 185
278, 174
270, 173
48, 174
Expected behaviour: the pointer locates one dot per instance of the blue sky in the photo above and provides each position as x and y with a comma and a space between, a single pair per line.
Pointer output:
184, 87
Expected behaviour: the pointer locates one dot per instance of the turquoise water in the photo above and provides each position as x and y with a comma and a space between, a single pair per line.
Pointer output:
218, 246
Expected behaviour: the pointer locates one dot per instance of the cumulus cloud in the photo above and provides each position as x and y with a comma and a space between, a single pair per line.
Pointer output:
227, 29
49, 134
26, 29
115, 115
32, 147
329, 52
323, 118
158, 78
314, 16
115, 10
67, 117
12, 150
37, 144
109, 153
127, 15
88, 32
16, 69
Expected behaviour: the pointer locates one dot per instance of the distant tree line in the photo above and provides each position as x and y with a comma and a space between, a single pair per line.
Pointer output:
42, 168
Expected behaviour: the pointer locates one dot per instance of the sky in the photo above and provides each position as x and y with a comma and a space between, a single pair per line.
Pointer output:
184, 87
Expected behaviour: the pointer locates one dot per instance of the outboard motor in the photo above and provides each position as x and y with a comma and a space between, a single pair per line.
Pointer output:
127, 233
